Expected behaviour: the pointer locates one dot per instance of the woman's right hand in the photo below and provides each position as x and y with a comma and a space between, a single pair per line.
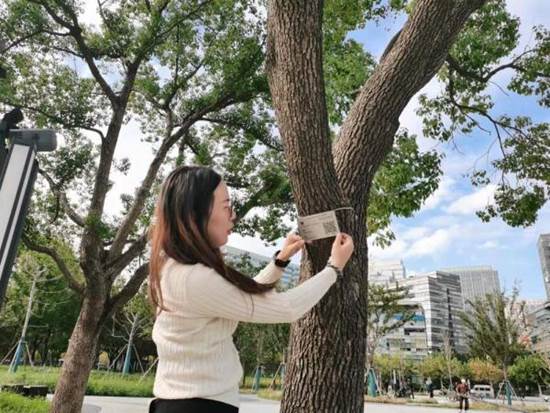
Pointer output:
342, 248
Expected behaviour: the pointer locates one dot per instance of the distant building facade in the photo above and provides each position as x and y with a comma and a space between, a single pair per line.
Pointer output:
411, 340
539, 310
386, 272
539, 323
543, 246
476, 282
439, 294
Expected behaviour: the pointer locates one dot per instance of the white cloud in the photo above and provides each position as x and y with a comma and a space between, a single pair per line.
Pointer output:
395, 251
435, 243
90, 15
469, 204
413, 234
443, 193
531, 13
490, 245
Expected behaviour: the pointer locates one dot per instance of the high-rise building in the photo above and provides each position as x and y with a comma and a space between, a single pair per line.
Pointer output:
531, 305
386, 272
411, 340
440, 296
538, 316
476, 281
539, 323
290, 275
543, 245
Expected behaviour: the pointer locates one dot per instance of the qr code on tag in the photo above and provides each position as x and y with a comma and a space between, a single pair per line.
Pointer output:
330, 227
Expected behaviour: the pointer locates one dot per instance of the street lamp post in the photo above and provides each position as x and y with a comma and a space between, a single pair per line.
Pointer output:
18, 170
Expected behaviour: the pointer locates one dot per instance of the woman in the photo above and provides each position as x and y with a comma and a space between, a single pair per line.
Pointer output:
200, 300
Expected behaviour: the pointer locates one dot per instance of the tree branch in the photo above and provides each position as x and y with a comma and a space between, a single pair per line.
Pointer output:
128, 291
67, 51
116, 266
272, 144
453, 64
366, 135
76, 33
143, 191
17, 42
254, 201
72, 282
467, 108
159, 34
178, 84
62, 197
56, 119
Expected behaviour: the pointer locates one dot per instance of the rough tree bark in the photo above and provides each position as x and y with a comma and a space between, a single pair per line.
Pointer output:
79, 358
327, 347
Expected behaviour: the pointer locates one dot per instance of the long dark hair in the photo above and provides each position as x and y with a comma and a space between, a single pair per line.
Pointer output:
179, 230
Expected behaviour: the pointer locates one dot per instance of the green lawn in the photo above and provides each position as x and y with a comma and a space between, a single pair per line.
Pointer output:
14, 403
101, 383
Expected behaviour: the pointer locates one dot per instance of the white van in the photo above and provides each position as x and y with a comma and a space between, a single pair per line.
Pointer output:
483, 391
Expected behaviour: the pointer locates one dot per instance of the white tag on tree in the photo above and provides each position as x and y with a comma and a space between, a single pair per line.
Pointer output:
318, 226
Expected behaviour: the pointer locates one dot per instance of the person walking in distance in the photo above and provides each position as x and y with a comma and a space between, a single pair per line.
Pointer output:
463, 393
200, 300
430, 387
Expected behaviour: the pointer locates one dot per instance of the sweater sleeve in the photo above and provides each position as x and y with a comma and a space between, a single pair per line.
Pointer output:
270, 274
208, 294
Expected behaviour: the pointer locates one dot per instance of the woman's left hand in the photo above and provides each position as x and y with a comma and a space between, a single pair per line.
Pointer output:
292, 244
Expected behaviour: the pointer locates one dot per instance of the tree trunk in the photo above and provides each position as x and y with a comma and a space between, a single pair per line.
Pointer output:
79, 358
327, 346
327, 354
45, 347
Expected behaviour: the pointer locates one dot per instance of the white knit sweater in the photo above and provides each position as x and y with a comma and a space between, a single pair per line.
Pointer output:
197, 357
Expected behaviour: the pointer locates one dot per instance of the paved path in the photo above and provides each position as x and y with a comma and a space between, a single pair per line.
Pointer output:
101, 404
249, 404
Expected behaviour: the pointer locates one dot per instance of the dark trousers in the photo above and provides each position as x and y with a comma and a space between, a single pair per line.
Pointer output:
190, 406
464, 402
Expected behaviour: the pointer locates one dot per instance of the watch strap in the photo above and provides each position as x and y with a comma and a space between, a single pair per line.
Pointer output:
278, 262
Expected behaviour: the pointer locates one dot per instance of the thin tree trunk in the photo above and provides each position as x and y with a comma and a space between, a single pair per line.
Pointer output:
45, 347
79, 359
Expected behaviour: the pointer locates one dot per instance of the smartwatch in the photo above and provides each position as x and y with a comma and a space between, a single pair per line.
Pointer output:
278, 262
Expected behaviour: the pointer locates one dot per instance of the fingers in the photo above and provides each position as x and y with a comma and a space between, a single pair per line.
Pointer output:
292, 245
293, 237
347, 239
342, 239
297, 245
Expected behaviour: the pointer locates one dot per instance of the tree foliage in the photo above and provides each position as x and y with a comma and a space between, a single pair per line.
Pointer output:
485, 48
493, 329
387, 312
54, 309
483, 370
529, 370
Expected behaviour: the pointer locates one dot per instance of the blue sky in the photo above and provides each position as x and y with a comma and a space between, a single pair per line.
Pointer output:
446, 232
